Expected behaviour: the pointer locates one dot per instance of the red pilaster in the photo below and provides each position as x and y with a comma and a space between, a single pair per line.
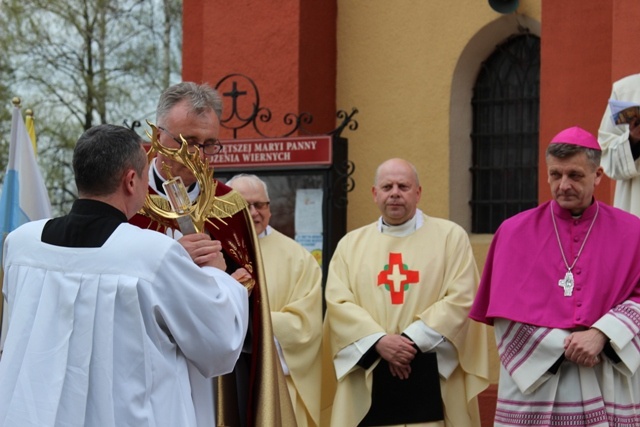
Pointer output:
576, 71
288, 47
626, 26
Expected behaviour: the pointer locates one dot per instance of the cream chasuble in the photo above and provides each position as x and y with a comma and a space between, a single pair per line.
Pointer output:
421, 284
294, 285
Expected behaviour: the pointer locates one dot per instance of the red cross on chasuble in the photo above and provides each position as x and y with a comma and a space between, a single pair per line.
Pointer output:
396, 278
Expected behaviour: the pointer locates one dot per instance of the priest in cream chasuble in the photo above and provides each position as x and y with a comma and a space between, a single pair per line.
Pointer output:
408, 278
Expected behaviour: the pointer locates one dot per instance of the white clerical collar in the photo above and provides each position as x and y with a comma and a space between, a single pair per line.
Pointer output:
403, 229
265, 232
153, 172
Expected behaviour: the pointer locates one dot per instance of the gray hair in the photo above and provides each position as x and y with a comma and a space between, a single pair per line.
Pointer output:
102, 155
252, 178
201, 98
564, 151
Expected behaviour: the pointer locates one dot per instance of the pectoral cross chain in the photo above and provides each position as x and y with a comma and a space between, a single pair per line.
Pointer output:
567, 283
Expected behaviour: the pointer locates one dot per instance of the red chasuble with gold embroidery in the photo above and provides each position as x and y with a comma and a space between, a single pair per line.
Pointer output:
268, 402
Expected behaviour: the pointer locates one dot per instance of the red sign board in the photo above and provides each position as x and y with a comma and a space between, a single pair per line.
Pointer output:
298, 151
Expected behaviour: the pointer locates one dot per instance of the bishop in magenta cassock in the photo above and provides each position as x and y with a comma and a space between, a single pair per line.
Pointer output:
560, 285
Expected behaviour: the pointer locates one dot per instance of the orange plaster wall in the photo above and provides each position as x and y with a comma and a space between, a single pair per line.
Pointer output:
576, 73
286, 46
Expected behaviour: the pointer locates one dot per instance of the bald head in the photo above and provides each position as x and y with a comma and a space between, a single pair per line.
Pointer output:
394, 164
396, 191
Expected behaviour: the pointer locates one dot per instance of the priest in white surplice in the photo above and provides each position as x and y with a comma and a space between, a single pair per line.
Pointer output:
102, 316
398, 295
621, 147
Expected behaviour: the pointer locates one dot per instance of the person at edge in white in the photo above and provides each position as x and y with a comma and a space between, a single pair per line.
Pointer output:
102, 316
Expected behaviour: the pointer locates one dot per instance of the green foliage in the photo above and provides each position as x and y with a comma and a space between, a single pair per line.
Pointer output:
77, 64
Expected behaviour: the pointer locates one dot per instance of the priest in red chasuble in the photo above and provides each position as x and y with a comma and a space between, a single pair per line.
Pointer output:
188, 117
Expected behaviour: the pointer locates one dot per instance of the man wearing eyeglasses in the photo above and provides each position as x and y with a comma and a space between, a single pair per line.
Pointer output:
192, 112
294, 284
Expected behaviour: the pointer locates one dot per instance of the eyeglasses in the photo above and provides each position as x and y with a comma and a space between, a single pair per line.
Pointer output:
209, 148
259, 205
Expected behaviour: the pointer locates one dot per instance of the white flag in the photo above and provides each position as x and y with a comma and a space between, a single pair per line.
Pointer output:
24, 195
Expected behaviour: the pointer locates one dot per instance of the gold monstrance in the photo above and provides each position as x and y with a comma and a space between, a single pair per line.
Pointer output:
175, 213
204, 207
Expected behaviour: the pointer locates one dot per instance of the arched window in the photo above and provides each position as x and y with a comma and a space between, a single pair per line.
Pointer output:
505, 105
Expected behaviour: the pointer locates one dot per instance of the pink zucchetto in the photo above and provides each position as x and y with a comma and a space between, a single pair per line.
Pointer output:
576, 136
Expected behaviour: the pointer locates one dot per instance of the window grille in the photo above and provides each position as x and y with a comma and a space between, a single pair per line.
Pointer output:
505, 105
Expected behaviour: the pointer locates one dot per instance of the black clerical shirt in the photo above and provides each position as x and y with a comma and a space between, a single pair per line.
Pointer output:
89, 224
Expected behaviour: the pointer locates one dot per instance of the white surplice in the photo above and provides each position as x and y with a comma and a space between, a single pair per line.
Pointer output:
617, 160
102, 336
531, 394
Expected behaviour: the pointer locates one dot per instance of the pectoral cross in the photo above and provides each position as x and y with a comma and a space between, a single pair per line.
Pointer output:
567, 284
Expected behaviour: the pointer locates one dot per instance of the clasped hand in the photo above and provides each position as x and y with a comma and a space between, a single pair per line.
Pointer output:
584, 347
399, 352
